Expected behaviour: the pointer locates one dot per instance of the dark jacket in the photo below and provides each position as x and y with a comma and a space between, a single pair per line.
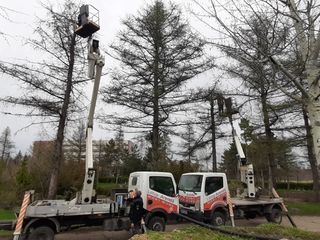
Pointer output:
136, 210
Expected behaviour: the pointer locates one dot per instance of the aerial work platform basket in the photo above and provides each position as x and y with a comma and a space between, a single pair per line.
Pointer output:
88, 21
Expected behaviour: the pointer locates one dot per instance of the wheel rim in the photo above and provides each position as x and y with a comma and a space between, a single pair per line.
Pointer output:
157, 227
219, 221
277, 217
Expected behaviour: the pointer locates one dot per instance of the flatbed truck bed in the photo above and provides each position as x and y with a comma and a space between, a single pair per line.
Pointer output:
239, 202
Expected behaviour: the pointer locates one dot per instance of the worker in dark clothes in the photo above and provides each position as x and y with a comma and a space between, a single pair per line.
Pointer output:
136, 212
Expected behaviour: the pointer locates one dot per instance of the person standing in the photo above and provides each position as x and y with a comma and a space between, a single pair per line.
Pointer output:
136, 212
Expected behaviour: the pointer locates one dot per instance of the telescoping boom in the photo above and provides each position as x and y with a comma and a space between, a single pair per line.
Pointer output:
88, 26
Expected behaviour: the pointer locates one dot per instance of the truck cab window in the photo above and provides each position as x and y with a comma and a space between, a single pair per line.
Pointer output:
213, 184
162, 185
190, 183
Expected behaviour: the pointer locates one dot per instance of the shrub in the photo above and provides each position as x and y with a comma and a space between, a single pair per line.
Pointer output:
294, 185
234, 185
8, 199
121, 179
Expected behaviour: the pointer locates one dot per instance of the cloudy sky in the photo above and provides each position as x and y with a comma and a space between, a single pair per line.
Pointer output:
17, 22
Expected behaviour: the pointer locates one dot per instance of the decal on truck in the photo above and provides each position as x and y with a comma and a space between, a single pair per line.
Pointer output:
218, 197
190, 199
160, 201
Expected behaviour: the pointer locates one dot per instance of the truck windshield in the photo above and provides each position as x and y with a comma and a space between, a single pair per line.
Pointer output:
191, 183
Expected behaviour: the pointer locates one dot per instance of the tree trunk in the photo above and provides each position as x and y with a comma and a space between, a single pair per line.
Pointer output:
311, 156
156, 113
309, 46
213, 135
262, 179
57, 156
269, 138
155, 126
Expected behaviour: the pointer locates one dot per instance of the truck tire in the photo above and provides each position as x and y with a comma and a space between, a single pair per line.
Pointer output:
275, 216
218, 218
41, 233
157, 224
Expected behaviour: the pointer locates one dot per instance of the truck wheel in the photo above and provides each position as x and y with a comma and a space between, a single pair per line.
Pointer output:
218, 218
41, 233
275, 216
157, 224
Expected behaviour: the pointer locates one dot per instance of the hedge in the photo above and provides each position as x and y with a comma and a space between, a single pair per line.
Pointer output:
121, 179
294, 185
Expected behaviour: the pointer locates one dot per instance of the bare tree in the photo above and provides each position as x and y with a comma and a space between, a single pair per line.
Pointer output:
159, 54
204, 106
301, 20
50, 85
258, 77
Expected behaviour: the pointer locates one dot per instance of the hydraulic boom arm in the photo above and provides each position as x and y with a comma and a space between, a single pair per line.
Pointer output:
246, 170
96, 63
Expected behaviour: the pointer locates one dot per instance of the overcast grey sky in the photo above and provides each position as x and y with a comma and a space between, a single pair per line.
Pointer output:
19, 25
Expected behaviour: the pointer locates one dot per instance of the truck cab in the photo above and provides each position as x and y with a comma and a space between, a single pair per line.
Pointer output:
158, 191
203, 195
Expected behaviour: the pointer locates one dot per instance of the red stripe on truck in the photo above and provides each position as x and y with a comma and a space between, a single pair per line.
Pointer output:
219, 199
162, 202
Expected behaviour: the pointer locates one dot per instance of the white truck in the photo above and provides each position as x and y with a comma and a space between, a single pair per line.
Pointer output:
45, 218
159, 194
42, 219
204, 196
200, 195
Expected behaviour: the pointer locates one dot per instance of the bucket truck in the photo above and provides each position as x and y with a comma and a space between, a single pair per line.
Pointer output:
204, 196
42, 219
201, 195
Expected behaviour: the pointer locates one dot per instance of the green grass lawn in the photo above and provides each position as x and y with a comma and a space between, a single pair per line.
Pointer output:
276, 230
196, 232
5, 233
304, 208
6, 214
193, 232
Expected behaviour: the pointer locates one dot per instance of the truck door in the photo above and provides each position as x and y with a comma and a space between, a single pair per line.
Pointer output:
214, 193
162, 194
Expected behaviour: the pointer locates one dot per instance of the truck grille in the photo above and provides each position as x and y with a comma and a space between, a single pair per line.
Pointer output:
188, 205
